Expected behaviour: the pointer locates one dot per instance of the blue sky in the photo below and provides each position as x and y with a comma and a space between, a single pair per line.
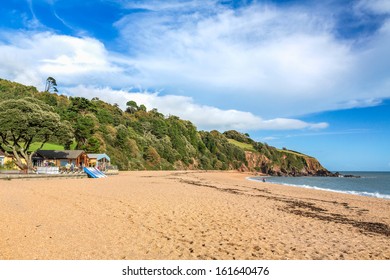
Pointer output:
312, 76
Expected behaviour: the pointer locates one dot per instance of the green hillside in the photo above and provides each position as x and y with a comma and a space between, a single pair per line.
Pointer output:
139, 139
244, 146
47, 146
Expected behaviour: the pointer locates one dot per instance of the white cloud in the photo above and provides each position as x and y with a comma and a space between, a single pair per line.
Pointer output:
257, 55
376, 6
251, 62
204, 117
268, 138
31, 58
260, 51
170, 5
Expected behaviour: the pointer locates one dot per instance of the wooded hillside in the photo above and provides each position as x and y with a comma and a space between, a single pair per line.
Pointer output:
139, 138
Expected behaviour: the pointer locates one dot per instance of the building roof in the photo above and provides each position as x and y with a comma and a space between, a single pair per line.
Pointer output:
54, 154
99, 156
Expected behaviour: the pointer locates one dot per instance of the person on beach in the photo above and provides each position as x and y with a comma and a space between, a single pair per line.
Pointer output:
263, 180
67, 167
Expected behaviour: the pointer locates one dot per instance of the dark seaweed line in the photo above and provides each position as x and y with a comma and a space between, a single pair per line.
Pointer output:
313, 211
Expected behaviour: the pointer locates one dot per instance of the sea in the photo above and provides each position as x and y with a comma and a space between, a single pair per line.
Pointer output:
374, 184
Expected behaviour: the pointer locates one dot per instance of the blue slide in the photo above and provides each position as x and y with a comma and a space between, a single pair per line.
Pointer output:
94, 173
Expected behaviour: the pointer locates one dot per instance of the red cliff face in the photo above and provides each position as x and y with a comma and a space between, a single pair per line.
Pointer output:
260, 163
255, 160
313, 166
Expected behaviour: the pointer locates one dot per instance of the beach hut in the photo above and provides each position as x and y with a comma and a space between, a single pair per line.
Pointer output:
100, 161
77, 158
2, 158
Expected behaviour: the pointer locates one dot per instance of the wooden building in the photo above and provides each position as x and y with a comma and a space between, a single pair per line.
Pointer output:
78, 158
4, 159
100, 161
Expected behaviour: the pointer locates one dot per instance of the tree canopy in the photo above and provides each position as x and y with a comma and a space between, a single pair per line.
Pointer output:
135, 139
51, 84
27, 120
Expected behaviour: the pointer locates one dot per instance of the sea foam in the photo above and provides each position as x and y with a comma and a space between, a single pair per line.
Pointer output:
360, 193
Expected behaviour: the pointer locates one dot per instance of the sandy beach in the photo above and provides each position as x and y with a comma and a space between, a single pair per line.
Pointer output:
186, 215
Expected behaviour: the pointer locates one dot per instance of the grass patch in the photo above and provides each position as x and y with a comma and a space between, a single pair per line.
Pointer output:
51, 146
244, 146
48, 146
73, 145
294, 153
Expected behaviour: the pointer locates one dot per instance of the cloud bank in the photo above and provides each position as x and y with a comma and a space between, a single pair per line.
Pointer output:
256, 67
205, 117
31, 57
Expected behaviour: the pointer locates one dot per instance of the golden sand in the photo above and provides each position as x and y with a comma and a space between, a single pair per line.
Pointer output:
186, 215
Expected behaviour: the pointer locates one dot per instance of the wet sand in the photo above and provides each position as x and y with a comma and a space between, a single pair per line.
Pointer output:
186, 215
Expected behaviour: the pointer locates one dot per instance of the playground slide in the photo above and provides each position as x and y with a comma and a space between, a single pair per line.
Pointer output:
94, 173
99, 172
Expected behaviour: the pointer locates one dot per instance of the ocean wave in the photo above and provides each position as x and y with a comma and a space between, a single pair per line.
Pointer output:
362, 193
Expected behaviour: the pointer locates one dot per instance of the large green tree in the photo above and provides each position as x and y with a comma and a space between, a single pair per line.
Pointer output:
51, 84
132, 107
25, 121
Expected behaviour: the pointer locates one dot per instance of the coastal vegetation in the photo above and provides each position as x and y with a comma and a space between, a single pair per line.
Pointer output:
244, 146
27, 120
136, 138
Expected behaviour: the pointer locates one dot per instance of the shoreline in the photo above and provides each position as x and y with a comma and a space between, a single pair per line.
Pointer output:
187, 215
309, 187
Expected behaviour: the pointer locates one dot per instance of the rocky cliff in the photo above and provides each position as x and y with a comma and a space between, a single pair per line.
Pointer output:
288, 165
